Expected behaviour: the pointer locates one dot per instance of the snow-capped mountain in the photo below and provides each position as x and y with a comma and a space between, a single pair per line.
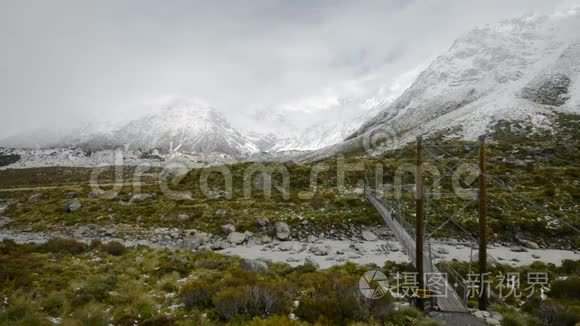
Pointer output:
188, 128
303, 128
183, 126
521, 69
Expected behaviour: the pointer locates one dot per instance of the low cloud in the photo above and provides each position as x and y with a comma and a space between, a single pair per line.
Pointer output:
66, 62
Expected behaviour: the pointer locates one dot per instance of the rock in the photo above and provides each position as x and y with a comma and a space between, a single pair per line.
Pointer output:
5, 221
282, 230
110, 231
72, 205
480, 314
319, 251
492, 321
221, 212
3, 208
103, 194
292, 260
309, 261
192, 242
182, 218
311, 238
496, 315
265, 239
71, 195
529, 244
442, 251
139, 198
262, 221
368, 235
286, 247
339, 252
518, 249
249, 234
81, 231
254, 265
237, 237
220, 244
536, 256
228, 228
35, 198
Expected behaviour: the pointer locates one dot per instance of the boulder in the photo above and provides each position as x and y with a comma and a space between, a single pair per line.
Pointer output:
309, 261
81, 231
319, 251
3, 208
286, 247
518, 249
282, 230
368, 235
529, 244
221, 212
254, 265
262, 221
442, 251
182, 218
71, 195
220, 244
72, 205
492, 321
228, 228
5, 221
103, 194
139, 198
265, 239
311, 238
237, 237
35, 198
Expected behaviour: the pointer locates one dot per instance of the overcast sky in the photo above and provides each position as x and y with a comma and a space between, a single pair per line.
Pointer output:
65, 62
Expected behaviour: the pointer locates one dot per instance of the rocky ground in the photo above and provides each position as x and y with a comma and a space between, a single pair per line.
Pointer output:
278, 242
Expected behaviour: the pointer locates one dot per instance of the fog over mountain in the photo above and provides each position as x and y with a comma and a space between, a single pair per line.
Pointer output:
101, 65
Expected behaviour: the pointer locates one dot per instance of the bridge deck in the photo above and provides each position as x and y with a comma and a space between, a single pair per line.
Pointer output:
451, 302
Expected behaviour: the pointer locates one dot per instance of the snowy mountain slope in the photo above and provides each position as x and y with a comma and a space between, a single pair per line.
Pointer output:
184, 126
520, 69
303, 128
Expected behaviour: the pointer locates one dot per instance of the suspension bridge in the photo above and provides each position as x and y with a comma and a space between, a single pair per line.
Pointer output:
450, 301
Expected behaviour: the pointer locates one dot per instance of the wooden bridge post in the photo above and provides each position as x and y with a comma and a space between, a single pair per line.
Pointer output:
482, 224
420, 214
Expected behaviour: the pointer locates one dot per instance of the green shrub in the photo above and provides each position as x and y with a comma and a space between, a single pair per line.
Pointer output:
514, 318
197, 293
275, 321
64, 246
114, 248
403, 317
230, 301
96, 288
168, 282
568, 289
90, 314
21, 311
